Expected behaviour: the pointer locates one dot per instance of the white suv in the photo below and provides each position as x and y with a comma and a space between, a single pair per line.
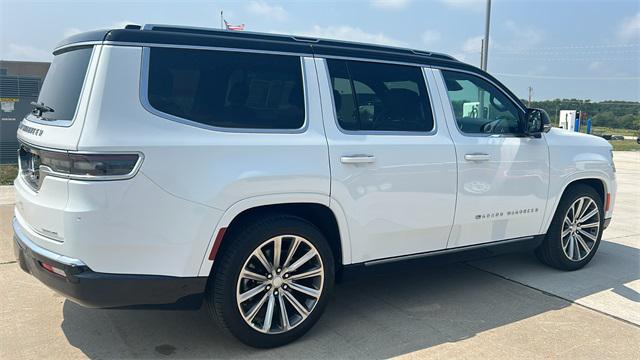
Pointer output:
167, 165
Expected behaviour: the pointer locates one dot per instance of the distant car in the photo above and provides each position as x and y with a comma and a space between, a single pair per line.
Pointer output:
617, 137
638, 139
606, 136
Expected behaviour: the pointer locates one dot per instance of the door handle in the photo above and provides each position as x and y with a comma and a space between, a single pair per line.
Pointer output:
477, 157
357, 159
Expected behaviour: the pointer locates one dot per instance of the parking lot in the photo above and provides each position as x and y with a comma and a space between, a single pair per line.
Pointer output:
506, 306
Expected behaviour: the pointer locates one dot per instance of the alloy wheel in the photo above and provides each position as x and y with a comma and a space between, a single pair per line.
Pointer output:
580, 229
280, 284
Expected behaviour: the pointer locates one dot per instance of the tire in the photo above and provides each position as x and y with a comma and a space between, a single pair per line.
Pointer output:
569, 252
274, 292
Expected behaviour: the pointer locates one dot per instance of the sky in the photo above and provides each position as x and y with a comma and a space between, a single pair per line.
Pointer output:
562, 49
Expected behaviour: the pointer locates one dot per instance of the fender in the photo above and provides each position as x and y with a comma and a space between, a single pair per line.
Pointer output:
274, 199
554, 197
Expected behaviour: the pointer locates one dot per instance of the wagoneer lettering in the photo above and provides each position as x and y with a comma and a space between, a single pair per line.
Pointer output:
170, 166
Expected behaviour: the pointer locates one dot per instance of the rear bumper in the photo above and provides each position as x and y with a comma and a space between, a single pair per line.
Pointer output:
101, 290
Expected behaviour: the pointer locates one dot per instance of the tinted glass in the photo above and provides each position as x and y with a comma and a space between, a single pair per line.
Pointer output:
63, 83
468, 94
380, 97
226, 89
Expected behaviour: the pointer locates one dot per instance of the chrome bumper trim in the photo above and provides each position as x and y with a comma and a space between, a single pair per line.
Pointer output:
24, 241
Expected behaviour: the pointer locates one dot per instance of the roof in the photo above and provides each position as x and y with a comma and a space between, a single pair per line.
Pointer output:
191, 36
150, 35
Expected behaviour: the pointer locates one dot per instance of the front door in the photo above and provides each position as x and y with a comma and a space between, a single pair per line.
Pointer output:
503, 176
393, 166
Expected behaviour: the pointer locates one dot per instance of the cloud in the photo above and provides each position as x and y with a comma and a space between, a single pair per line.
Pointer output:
71, 31
431, 37
116, 25
473, 5
473, 45
630, 28
595, 65
349, 33
390, 4
260, 7
521, 38
26, 53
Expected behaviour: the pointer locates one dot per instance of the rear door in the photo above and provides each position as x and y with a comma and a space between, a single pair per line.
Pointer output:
503, 176
393, 170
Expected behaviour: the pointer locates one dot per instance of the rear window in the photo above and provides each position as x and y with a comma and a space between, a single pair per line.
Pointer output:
227, 89
63, 83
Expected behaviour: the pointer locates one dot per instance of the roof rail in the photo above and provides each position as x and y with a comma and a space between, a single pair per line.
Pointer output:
296, 38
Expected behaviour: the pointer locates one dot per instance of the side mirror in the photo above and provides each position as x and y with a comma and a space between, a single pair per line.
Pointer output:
536, 122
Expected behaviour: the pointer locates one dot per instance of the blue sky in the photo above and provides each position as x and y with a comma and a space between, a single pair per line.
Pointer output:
563, 49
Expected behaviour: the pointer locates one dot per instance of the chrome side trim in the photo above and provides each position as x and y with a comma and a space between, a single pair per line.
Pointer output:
24, 241
446, 251
144, 100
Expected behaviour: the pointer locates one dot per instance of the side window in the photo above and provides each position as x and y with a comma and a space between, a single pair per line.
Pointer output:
479, 107
227, 89
380, 97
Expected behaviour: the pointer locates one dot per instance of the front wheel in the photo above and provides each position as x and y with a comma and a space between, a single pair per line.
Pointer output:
575, 232
273, 281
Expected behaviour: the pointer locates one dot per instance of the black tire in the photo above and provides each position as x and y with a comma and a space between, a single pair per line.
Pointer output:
551, 250
221, 293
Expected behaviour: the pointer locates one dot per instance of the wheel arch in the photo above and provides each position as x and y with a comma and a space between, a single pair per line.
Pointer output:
599, 184
314, 208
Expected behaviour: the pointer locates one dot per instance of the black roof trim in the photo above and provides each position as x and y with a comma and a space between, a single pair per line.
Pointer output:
205, 37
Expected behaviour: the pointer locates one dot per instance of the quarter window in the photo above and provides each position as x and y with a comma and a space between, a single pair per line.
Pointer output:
479, 107
227, 89
380, 97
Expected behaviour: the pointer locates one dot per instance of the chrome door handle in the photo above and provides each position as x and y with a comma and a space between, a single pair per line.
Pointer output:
357, 159
477, 157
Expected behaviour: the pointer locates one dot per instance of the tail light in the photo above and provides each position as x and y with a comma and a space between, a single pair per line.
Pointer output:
36, 164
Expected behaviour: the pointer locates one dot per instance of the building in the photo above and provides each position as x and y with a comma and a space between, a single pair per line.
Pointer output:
20, 83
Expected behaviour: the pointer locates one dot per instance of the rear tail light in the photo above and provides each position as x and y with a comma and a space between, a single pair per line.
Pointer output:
89, 165
36, 164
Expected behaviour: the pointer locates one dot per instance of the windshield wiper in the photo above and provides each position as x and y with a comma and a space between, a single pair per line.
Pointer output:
40, 108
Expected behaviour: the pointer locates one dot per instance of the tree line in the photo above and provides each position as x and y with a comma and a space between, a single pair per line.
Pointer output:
614, 114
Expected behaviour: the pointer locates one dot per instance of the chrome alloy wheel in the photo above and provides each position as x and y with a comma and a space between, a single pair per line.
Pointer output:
280, 284
580, 229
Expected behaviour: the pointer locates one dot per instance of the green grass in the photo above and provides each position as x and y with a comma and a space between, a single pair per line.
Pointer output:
625, 145
599, 130
7, 174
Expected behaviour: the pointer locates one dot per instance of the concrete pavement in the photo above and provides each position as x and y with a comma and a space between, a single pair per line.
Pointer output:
502, 307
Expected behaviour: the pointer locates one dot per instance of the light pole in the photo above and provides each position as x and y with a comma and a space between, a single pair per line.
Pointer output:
485, 43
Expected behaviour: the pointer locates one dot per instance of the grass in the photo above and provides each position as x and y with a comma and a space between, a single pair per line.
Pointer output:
612, 131
625, 145
7, 174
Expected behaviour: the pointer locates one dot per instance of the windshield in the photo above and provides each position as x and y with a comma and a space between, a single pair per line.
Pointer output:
63, 83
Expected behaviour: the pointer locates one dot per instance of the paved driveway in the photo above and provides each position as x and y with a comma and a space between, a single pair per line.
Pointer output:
502, 307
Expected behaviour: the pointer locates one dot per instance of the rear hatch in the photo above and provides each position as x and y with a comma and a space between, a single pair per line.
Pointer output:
54, 127
57, 118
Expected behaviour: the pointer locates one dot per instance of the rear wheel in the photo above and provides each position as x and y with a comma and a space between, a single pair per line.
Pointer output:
273, 281
575, 232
